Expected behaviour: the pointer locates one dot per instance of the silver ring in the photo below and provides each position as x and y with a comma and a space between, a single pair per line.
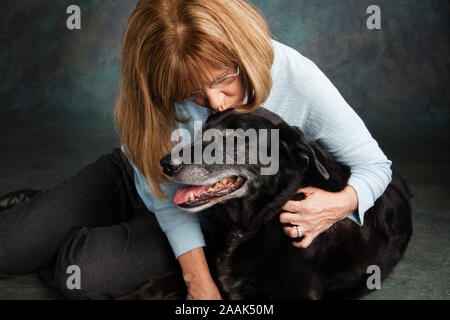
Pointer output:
299, 232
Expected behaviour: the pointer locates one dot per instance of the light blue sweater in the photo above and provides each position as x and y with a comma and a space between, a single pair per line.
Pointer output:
303, 96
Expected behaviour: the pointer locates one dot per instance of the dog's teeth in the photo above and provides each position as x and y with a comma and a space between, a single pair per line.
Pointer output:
191, 196
224, 180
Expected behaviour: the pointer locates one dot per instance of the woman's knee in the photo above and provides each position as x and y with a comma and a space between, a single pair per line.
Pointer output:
101, 263
78, 273
22, 248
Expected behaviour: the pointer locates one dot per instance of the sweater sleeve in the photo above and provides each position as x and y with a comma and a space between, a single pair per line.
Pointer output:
334, 124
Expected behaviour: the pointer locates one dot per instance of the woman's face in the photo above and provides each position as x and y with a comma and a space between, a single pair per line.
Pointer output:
228, 97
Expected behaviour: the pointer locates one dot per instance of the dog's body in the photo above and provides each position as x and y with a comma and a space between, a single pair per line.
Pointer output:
260, 261
251, 258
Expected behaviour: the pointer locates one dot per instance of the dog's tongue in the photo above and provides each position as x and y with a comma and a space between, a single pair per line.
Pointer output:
182, 194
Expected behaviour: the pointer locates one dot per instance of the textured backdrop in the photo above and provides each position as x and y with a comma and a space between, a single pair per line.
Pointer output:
396, 78
57, 90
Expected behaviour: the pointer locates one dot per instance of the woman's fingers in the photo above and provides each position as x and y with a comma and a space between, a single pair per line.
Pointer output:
292, 206
310, 215
295, 220
288, 217
300, 206
293, 232
306, 241
307, 190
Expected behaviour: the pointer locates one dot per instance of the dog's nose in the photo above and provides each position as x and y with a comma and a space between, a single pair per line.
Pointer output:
169, 168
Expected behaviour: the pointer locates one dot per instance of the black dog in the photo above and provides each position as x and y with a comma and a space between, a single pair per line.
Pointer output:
248, 253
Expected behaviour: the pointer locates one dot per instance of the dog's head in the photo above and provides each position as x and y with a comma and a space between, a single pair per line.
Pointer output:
253, 155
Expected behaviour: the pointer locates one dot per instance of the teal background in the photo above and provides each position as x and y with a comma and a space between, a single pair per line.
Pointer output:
396, 78
57, 92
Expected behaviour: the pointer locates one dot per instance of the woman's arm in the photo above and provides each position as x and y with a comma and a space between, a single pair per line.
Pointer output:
338, 128
185, 237
303, 96
197, 277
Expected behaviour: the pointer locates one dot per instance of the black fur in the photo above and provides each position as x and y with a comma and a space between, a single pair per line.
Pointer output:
251, 258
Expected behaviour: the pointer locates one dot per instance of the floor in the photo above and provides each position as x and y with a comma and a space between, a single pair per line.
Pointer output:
41, 155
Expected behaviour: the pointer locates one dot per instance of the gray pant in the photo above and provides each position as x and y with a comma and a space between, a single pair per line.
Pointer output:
94, 220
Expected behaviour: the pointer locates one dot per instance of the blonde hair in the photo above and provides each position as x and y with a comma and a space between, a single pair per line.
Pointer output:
167, 48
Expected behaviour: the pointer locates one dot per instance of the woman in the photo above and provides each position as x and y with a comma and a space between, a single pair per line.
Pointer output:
182, 61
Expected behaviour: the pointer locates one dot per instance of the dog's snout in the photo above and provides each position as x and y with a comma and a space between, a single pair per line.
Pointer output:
169, 168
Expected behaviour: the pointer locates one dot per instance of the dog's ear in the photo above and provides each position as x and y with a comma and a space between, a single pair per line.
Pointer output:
318, 165
293, 136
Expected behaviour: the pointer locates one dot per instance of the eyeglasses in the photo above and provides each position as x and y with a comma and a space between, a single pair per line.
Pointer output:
218, 84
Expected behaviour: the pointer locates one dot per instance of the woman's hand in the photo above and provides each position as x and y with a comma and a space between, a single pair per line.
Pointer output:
197, 277
317, 212
203, 292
